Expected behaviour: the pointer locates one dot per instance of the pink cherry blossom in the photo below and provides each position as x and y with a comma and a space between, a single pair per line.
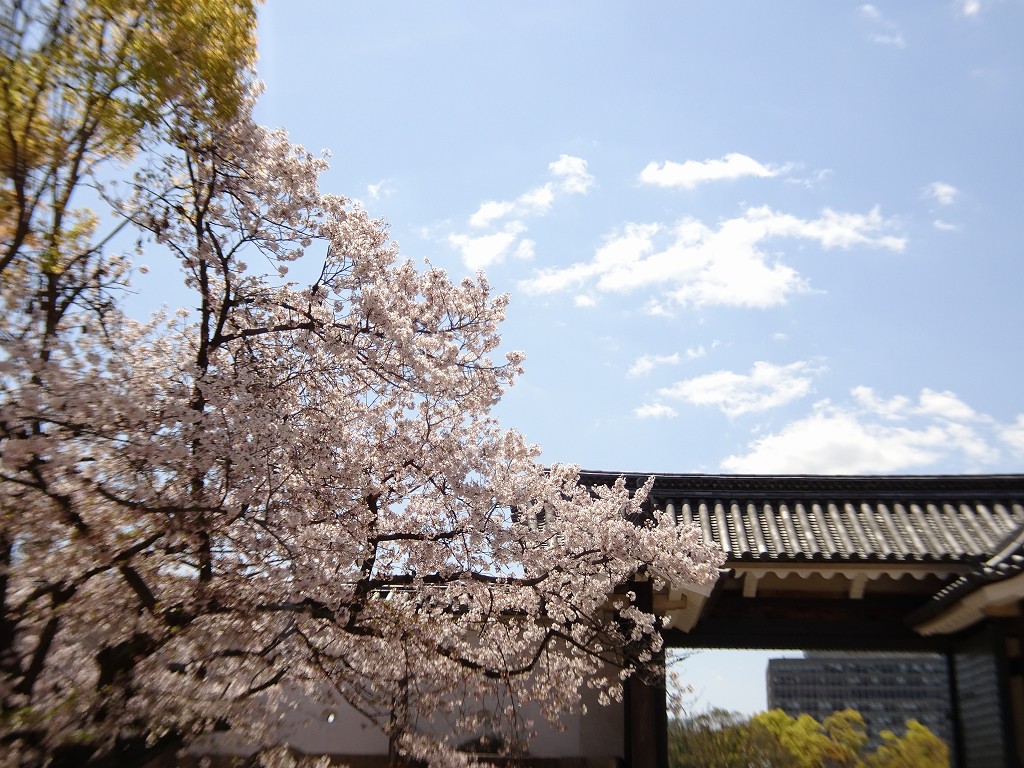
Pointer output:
288, 485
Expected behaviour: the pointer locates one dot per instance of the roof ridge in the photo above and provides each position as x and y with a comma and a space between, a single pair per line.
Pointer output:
857, 487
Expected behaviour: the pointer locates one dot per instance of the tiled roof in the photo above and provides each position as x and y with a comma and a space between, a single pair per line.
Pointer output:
948, 518
1007, 562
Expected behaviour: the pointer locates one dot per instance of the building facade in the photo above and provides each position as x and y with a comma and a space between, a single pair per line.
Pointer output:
886, 688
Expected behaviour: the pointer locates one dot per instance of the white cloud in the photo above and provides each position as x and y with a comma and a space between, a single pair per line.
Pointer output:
584, 301
525, 250
895, 40
945, 226
569, 177
655, 411
833, 229
489, 212
572, 174
877, 435
647, 363
536, 201
894, 408
941, 192
697, 265
655, 308
616, 254
834, 441
695, 352
1013, 435
970, 7
887, 32
944, 405
971, 443
815, 179
378, 190
766, 386
693, 172
483, 251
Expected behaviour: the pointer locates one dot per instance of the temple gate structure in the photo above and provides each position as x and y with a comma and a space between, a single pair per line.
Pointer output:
880, 563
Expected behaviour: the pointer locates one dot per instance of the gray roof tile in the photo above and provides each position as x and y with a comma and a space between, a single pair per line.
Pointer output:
1008, 561
944, 518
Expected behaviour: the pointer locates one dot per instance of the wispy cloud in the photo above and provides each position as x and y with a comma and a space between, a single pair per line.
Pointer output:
479, 252
689, 174
941, 192
766, 386
655, 411
884, 30
870, 434
647, 363
1013, 435
694, 264
894, 39
379, 190
655, 308
969, 7
871, 12
505, 218
811, 180
571, 174
570, 178
583, 300
930, 402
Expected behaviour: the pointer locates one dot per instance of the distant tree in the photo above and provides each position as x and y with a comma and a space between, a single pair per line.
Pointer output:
765, 751
721, 739
802, 737
835, 743
847, 736
918, 747
717, 737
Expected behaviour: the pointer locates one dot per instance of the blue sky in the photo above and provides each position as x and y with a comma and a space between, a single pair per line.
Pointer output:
739, 237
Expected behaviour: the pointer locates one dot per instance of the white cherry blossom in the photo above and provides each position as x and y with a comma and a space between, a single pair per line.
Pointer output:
288, 486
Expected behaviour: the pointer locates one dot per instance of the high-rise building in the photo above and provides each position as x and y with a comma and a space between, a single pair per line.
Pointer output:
886, 688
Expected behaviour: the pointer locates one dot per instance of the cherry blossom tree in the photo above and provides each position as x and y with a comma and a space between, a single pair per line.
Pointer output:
291, 485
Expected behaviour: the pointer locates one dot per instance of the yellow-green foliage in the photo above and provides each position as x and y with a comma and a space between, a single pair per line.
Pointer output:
776, 740
87, 82
917, 748
106, 69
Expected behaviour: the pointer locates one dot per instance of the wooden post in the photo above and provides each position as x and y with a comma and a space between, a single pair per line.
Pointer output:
646, 705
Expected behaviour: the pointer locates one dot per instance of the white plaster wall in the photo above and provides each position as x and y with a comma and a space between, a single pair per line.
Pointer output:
330, 726
598, 733
327, 725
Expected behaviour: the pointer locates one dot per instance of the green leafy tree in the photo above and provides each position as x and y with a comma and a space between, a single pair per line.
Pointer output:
802, 737
918, 747
776, 740
87, 82
847, 737
765, 751
835, 743
716, 737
